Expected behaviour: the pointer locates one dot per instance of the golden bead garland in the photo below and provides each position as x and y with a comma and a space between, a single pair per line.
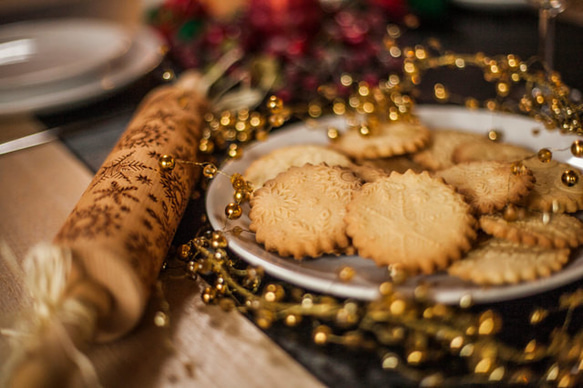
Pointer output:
409, 334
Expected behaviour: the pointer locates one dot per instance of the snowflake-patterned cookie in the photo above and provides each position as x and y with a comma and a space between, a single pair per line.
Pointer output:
489, 150
388, 139
301, 211
411, 220
556, 231
550, 193
488, 185
496, 262
279, 160
439, 152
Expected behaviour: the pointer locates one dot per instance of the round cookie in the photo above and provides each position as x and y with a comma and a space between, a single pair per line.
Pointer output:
549, 192
489, 150
301, 211
411, 220
399, 164
496, 262
388, 139
268, 166
560, 231
439, 152
488, 185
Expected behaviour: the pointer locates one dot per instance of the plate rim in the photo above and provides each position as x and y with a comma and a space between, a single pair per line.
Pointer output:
144, 55
117, 48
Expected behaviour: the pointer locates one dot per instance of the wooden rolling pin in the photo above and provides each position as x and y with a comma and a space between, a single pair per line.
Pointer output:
114, 242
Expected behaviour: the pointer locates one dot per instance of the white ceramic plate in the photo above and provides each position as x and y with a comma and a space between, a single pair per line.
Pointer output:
321, 274
143, 56
38, 52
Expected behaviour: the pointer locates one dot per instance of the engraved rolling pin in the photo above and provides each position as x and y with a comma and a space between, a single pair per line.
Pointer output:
114, 242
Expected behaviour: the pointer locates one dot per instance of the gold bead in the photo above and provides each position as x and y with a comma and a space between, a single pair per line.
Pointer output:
502, 88
166, 162
333, 133
346, 273
570, 178
240, 196
206, 146
472, 103
538, 315
273, 293
233, 211
218, 240
238, 182
292, 320
544, 155
276, 120
390, 361
321, 335
234, 151
274, 104
466, 301
386, 288
264, 318
494, 135
209, 171
484, 365
184, 251
398, 306
416, 357
161, 319
497, 374
577, 148
364, 130
209, 295
489, 323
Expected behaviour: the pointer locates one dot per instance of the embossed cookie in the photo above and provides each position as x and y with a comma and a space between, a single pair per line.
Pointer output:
388, 139
439, 152
301, 211
549, 192
399, 164
559, 231
279, 160
412, 220
486, 149
488, 185
496, 262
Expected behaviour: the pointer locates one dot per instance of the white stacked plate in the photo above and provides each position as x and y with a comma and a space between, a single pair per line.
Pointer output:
49, 65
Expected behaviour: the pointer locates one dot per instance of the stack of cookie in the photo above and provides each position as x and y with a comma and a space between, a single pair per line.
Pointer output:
420, 200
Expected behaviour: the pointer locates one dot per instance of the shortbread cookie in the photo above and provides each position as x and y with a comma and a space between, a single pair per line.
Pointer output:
412, 220
368, 173
301, 211
486, 149
549, 192
388, 139
488, 185
399, 164
496, 262
279, 160
439, 152
558, 231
